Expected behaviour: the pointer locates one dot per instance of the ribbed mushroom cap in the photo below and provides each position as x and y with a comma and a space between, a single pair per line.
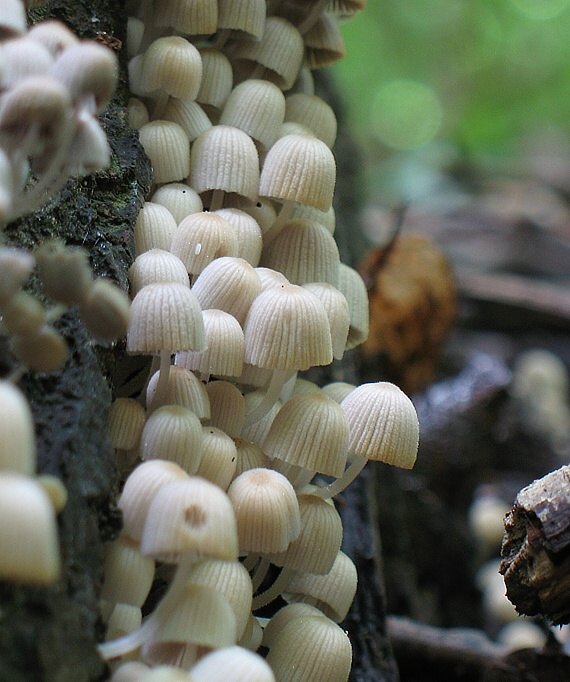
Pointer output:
249, 456
336, 307
313, 112
139, 490
309, 431
17, 434
172, 65
345, 8
228, 284
168, 148
216, 83
325, 218
224, 355
232, 663
227, 406
332, 593
258, 108
299, 168
256, 432
231, 579
324, 44
123, 620
180, 200
304, 251
338, 390
173, 433
90, 71
22, 57
193, 17
126, 422
165, 315
240, 17
190, 516
266, 510
279, 52
218, 464
138, 113
287, 328
270, 278
351, 285
248, 234
225, 158
311, 648
190, 116
262, 211
284, 616
318, 544
156, 265
154, 228
128, 575
29, 545
383, 424
201, 238
184, 388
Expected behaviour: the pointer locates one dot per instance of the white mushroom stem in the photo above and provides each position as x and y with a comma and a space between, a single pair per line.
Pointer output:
356, 464
278, 587
260, 573
162, 384
282, 217
217, 200
278, 379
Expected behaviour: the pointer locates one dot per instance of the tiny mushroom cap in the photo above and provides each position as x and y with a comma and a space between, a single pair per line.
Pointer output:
224, 161
128, 575
131, 671
249, 456
138, 113
332, 592
313, 112
156, 265
247, 231
23, 57
242, 18
184, 388
284, 616
227, 406
64, 271
168, 148
154, 227
45, 351
216, 81
12, 19
126, 422
232, 663
180, 200
105, 310
124, 619
201, 238
189, 115
338, 390
193, 517
266, 509
218, 463
350, 283
172, 65
53, 34
15, 267
193, 17
311, 649
24, 314
173, 433
17, 435
29, 546
338, 312
324, 44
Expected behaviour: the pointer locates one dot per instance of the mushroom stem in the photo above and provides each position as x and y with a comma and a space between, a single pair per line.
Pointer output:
278, 379
217, 200
260, 573
160, 106
282, 217
162, 384
279, 586
357, 463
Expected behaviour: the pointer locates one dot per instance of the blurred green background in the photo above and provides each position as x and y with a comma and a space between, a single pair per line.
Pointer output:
432, 81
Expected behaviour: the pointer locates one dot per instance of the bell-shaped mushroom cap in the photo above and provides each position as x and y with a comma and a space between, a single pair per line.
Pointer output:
224, 355
258, 108
338, 390
126, 423
173, 433
17, 435
257, 431
336, 307
324, 44
232, 663
190, 516
311, 648
227, 407
383, 424
304, 251
128, 575
124, 619
156, 265
15, 267
249, 456
239, 17
332, 593
154, 228
201, 238
224, 158
190, 116
279, 52
165, 315
228, 284
266, 509
193, 17
184, 388
231, 579
351, 285
314, 113
284, 616
218, 464
202, 617
217, 81
12, 19
22, 57
29, 546
309, 431
172, 65
248, 233
318, 544
299, 168
180, 200
53, 35
131, 671
262, 211
139, 491
345, 8
287, 328
168, 148
325, 218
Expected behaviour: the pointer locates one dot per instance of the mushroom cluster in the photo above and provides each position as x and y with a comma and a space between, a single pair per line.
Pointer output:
230, 462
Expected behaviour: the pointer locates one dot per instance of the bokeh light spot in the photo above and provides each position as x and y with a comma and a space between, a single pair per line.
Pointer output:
405, 114
540, 9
